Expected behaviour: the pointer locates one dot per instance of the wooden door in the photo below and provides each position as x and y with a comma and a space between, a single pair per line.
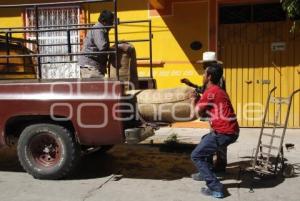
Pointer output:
257, 57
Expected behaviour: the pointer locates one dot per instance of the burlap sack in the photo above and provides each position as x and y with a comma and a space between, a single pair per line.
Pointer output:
127, 65
167, 105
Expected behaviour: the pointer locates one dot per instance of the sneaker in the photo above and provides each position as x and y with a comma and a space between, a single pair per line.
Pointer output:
197, 176
207, 192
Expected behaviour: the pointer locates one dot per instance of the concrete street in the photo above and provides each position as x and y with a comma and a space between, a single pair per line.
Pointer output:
152, 171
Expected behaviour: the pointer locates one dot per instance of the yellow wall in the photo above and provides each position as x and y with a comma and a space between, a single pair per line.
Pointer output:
11, 18
173, 45
172, 36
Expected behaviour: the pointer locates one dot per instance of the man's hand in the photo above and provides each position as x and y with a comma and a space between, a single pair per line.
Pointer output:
185, 80
124, 46
189, 83
198, 89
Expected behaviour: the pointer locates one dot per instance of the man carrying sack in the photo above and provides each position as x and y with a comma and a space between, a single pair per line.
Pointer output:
219, 165
216, 104
221, 155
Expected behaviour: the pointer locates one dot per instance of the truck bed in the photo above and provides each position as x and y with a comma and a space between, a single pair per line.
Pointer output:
90, 105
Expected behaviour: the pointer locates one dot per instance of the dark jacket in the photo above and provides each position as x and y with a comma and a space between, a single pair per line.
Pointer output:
97, 40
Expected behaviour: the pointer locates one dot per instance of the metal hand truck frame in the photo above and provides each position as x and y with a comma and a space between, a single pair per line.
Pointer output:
264, 162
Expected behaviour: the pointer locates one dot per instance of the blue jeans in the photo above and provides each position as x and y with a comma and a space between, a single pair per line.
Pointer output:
221, 160
201, 156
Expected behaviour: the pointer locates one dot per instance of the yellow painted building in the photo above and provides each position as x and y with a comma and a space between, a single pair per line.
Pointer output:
258, 51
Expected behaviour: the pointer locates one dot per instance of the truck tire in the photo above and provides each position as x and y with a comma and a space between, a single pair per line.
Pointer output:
48, 151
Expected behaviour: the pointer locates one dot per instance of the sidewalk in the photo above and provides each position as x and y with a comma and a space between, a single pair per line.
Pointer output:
193, 135
150, 173
185, 189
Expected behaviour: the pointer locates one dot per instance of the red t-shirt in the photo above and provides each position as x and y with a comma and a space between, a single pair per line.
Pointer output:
219, 108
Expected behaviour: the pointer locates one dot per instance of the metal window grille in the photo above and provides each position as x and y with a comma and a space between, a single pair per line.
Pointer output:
51, 68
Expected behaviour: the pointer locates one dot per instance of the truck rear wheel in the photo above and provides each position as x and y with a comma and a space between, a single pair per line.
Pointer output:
48, 151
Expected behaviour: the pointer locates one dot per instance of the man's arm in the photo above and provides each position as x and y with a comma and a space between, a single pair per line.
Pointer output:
199, 89
201, 110
204, 104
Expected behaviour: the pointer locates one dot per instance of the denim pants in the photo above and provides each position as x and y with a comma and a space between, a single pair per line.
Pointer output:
220, 163
201, 156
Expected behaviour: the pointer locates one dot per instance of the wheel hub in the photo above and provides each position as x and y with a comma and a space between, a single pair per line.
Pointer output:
45, 150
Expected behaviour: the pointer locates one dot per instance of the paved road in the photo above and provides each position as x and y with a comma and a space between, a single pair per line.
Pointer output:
149, 172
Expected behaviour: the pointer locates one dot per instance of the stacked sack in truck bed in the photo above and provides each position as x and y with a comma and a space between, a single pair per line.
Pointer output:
167, 105
127, 65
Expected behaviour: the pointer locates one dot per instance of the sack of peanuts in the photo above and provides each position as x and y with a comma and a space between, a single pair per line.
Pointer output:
127, 65
167, 105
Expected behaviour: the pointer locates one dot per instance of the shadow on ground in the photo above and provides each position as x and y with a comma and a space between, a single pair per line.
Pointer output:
132, 161
245, 179
140, 161
160, 162
9, 161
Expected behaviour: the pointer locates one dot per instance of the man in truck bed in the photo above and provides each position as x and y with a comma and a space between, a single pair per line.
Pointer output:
97, 40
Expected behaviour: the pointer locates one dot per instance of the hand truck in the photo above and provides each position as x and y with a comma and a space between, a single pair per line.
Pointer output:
269, 155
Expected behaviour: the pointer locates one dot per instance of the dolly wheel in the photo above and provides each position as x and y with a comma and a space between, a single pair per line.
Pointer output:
288, 170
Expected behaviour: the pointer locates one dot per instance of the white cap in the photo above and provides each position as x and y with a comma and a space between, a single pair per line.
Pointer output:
209, 57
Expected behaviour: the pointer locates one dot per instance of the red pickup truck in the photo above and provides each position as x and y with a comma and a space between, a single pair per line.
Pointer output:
55, 121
